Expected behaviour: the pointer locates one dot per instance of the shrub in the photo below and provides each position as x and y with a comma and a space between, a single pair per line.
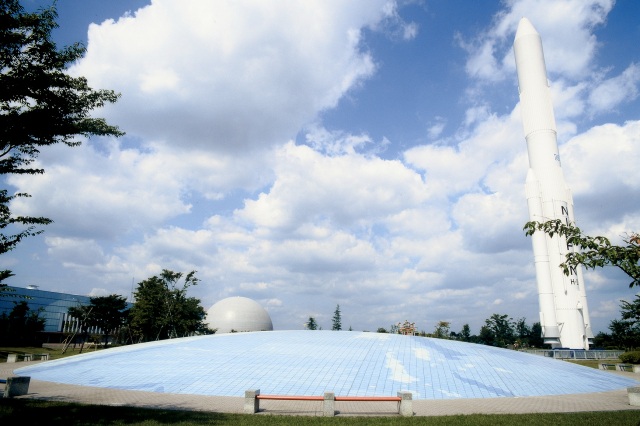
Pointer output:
630, 357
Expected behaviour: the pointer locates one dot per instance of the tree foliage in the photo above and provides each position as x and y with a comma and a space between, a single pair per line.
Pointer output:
162, 309
630, 357
21, 326
337, 319
527, 336
442, 330
499, 330
630, 311
625, 331
465, 333
536, 340
40, 105
79, 323
106, 313
311, 324
8, 241
593, 252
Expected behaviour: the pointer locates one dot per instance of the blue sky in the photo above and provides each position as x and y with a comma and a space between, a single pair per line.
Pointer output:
307, 154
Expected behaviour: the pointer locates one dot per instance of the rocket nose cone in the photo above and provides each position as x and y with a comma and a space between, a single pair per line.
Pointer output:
525, 28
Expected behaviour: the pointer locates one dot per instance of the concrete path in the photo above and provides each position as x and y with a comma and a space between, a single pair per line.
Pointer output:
603, 401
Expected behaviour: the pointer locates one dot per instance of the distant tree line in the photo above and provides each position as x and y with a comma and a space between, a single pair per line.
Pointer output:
503, 331
336, 321
498, 330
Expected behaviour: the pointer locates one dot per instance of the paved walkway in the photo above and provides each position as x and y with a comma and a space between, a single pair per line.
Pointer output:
602, 401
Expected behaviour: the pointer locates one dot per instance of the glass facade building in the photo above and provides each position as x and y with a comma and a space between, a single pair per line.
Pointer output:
53, 307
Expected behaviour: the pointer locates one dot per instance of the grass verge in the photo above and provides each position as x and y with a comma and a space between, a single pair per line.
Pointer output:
29, 411
53, 353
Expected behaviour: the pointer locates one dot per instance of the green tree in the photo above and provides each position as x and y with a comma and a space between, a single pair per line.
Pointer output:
442, 330
536, 340
502, 329
103, 314
79, 324
188, 317
625, 332
603, 340
528, 336
630, 311
522, 329
40, 105
337, 319
465, 333
593, 252
162, 309
8, 222
311, 324
21, 326
108, 314
486, 336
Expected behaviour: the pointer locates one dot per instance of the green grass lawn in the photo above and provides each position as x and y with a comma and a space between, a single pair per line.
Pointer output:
53, 353
593, 363
29, 411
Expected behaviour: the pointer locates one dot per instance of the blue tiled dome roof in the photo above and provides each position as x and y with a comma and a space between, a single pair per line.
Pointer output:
311, 362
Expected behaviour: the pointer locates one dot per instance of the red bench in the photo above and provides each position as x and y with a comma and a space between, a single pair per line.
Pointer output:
252, 401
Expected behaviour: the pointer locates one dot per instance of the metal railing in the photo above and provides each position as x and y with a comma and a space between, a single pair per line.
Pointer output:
575, 353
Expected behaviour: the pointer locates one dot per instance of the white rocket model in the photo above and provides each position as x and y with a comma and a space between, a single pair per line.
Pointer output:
564, 315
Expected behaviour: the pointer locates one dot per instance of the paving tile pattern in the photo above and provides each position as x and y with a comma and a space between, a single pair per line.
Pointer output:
312, 362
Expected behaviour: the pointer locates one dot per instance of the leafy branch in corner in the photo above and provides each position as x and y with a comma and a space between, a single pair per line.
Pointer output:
592, 252
41, 105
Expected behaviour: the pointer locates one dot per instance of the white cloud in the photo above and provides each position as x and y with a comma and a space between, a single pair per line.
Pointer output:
489, 221
336, 142
613, 91
75, 251
435, 130
565, 27
228, 76
606, 309
348, 190
460, 168
101, 194
102, 189
410, 31
601, 168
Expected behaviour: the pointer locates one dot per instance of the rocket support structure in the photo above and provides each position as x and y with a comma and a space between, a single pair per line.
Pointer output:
564, 315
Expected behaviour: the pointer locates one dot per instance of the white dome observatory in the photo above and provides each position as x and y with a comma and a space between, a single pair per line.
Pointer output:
238, 314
